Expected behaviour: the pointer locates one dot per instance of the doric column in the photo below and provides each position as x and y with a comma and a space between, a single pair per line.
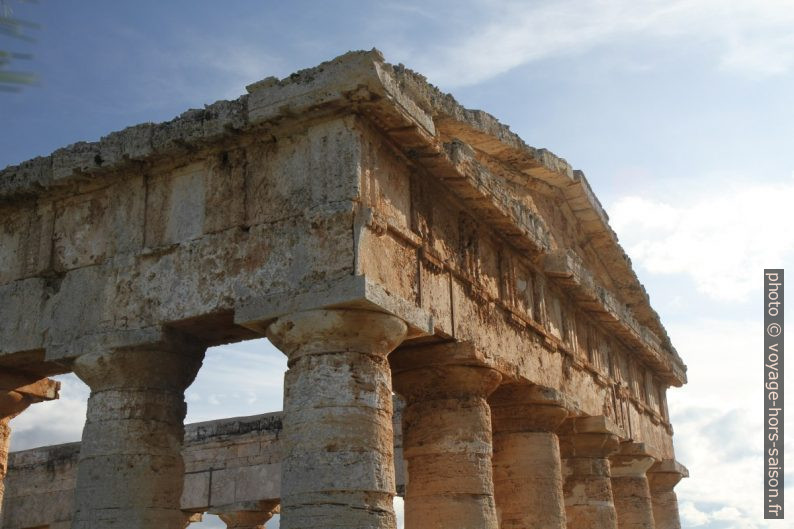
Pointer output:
447, 441
527, 469
630, 489
17, 392
338, 466
662, 478
130, 472
585, 445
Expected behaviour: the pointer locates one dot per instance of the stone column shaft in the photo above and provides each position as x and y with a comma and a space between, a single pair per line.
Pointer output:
338, 466
586, 444
662, 478
130, 472
630, 486
526, 462
447, 444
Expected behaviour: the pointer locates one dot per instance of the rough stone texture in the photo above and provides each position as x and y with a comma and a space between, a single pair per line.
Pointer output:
250, 519
585, 447
447, 441
40, 487
628, 469
5, 440
338, 466
231, 465
131, 470
241, 457
662, 477
18, 391
526, 460
354, 185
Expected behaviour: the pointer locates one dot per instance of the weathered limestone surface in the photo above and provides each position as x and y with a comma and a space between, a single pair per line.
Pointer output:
18, 391
5, 441
251, 518
338, 467
586, 445
526, 460
231, 465
40, 487
234, 465
628, 469
351, 188
133, 437
447, 441
662, 477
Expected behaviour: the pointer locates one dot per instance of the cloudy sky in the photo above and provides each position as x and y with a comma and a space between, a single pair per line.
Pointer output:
680, 112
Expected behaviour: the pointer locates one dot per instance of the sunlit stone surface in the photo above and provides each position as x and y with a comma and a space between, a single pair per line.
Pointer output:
373, 229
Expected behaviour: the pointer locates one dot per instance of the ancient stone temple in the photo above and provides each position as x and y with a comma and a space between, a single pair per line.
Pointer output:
463, 328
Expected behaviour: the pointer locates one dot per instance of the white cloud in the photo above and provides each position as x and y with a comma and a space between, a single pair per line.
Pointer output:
245, 378
721, 236
751, 37
717, 418
727, 513
53, 422
691, 516
234, 380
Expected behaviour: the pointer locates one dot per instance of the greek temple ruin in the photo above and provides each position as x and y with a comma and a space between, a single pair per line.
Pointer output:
462, 327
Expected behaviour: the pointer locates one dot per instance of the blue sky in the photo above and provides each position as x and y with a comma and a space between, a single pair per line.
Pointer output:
680, 112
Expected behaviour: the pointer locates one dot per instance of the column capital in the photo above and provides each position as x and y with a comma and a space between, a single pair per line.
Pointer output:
326, 331
131, 472
590, 437
37, 388
631, 460
19, 390
664, 475
527, 408
338, 465
170, 364
12, 403
447, 436
250, 519
441, 371
590, 424
439, 354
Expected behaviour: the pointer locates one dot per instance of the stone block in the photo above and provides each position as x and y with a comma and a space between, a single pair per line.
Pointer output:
22, 314
175, 205
13, 234
78, 304
196, 491
94, 226
312, 168
389, 262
